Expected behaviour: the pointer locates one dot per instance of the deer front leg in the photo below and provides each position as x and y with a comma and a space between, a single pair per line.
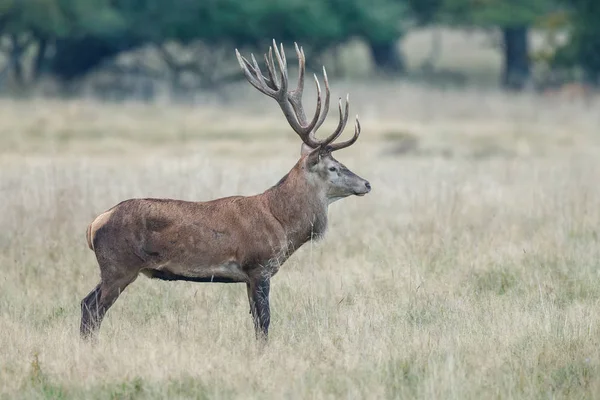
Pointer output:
258, 296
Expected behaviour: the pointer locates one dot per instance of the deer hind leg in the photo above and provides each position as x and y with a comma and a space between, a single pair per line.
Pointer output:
95, 305
89, 312
258, 296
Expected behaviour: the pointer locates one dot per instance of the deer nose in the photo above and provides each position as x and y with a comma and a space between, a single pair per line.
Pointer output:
368, 185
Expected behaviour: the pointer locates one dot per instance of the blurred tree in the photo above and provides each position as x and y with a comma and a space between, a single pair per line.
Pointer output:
72, 37
583, 47
514, 18
381, 23
40, 23
221, 24
427, 12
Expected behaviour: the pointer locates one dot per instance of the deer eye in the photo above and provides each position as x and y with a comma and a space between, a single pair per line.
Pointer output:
332, 169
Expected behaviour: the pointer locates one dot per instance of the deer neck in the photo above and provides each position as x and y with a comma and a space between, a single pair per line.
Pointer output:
300, 206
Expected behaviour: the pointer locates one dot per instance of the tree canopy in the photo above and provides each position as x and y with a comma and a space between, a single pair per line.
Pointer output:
583, 48
86, 32
72, 37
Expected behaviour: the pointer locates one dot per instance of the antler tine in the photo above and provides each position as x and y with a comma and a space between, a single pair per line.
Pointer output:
341, 124
282, 68
261, 77
295, 98
282, 55
271, 69
326, 108
347, 143
250, 74
254, 75
310, 128
301, 71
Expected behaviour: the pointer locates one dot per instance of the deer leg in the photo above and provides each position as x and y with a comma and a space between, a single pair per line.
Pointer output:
258, 296
89, 311
95, 305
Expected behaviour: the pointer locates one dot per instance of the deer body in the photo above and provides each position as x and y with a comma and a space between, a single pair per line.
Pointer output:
238, 239
223, 240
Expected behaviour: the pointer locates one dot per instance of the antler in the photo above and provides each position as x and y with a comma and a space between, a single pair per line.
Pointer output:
276, 85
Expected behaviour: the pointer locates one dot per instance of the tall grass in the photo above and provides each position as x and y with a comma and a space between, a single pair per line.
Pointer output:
470, 270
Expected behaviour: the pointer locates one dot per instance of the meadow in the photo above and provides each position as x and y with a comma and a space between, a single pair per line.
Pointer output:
470, 271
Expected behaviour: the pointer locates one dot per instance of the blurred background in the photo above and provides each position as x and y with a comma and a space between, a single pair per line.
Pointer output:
184, 49
471, 271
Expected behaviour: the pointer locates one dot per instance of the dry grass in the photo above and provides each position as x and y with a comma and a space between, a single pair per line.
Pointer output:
470, 271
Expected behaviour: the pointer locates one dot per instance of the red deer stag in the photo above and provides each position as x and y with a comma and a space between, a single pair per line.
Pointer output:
241, 239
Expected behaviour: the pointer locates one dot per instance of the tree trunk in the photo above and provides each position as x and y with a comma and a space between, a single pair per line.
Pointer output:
517, 71
38, 63
387, 57
16, 60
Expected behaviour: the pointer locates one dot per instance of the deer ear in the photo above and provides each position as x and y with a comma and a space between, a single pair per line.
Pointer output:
313, 157
305, 149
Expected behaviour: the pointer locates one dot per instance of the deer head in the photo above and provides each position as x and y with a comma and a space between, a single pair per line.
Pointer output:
319, 167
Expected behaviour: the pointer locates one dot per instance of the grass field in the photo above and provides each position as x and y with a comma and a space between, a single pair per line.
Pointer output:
470, 271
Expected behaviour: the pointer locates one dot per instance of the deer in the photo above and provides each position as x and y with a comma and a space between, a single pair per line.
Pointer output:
235, 239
